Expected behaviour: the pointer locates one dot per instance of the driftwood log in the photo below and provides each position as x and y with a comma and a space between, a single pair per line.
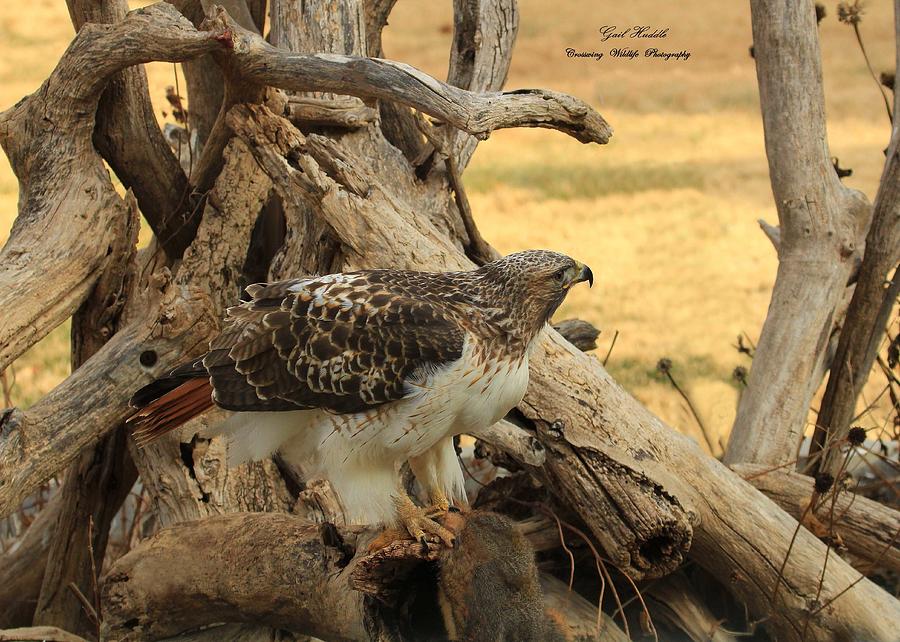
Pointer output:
869, 530
311, 593
314, 564
367, 191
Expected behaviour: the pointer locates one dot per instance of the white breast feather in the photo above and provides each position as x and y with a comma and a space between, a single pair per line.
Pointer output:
360, 453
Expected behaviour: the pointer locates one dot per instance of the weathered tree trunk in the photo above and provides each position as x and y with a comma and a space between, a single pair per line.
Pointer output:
314, 563
95, 478
822, 225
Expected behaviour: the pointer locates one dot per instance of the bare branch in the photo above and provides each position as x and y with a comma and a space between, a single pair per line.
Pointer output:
322, 27
129, 139
476, 113
235, 89
96, 484
870, 306
377, 13
337, 111
22, 568
69, 212
161, 335
39, 634
484, 32
204, 80
772, 232
38, 442
189, 479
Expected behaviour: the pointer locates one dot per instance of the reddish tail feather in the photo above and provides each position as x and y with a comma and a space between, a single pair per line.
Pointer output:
171, 410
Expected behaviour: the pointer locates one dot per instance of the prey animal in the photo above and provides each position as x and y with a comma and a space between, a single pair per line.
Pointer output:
347, 376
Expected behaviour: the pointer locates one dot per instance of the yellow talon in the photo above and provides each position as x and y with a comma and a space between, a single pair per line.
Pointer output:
418, 524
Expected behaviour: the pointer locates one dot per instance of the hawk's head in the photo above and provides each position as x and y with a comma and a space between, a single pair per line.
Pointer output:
534, 283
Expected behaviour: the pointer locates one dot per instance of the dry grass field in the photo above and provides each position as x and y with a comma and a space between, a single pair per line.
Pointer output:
665, 214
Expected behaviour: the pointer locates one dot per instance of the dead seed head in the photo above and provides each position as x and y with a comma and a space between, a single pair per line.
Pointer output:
740, 374
664, 365
857, 435
850, 13
823, 482
820, 12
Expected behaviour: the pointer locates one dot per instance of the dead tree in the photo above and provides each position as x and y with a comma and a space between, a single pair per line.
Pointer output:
358, 160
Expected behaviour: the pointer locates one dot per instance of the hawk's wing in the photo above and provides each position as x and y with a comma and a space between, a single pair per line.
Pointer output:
342, 342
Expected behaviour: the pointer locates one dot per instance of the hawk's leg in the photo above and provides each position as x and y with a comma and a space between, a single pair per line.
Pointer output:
418, 524
439, 475
438, 503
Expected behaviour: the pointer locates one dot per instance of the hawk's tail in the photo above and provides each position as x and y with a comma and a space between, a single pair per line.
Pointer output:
168, 402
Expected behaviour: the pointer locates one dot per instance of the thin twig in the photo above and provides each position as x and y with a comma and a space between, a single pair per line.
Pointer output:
98, 615
611, 346
835, 489
862, 48
7, 388
85, 604
138, 516
187, 124
871, 405
787, 556
601, 570
665, 366
620, 607
871, 565
478, 249
562, 541
602, 573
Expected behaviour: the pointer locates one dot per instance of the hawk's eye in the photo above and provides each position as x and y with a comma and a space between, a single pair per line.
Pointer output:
560, 274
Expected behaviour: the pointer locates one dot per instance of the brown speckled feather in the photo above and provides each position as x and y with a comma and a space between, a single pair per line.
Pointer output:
340, 342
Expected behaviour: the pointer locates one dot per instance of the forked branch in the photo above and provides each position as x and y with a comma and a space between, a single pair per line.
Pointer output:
475, 113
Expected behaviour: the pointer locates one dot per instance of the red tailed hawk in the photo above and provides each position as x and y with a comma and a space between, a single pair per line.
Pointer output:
349, 375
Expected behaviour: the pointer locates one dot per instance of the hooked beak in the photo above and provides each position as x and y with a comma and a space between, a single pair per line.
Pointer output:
584, 274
